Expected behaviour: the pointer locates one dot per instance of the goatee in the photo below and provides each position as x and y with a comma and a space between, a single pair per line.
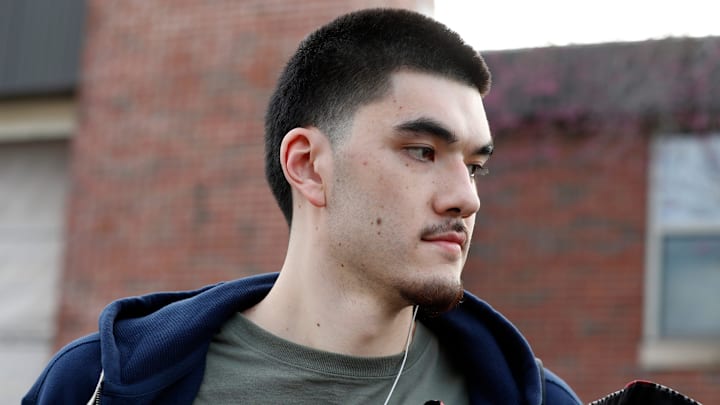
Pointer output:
434, 298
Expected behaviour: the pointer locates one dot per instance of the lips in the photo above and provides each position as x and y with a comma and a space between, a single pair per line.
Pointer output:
458, 238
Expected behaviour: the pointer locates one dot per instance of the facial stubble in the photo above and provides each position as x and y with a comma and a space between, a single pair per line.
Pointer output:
435, 297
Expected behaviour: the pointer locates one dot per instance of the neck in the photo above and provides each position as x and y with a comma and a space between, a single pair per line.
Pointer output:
315, 304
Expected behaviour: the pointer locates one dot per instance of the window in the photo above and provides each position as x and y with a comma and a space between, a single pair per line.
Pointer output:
34, 158
682, 305
691, 286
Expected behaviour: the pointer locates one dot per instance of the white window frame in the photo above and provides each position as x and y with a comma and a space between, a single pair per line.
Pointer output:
658, 352
37, 119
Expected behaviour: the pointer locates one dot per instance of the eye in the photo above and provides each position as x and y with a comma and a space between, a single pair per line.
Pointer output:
422, 153
477, 170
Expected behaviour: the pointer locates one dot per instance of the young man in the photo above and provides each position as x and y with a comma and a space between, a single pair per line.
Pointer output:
376, 138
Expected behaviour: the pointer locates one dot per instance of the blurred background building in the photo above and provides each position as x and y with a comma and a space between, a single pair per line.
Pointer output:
131, 161
40, 47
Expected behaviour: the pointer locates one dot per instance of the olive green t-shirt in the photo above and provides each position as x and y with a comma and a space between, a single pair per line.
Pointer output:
246, 364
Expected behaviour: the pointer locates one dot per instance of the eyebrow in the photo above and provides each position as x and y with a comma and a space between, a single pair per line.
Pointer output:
437, 130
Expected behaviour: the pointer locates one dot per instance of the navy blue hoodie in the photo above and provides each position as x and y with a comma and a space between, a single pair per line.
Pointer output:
151, 350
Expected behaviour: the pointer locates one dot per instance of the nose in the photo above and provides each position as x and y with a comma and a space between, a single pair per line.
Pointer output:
456, 193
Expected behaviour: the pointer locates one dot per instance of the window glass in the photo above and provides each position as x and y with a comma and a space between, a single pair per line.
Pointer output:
687, 180
685, 224
691, 286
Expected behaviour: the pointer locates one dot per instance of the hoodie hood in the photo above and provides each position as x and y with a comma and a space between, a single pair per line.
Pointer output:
149, 342
153, 342
497, 361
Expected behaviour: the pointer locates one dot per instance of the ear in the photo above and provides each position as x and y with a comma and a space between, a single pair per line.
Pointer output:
301, 151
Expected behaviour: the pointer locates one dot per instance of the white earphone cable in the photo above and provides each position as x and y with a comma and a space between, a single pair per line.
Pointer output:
407, 348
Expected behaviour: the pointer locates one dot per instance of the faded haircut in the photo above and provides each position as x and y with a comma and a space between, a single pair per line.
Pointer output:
348, 63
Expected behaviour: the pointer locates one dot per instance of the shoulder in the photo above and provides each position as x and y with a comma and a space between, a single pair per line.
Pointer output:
558, 391
70, 376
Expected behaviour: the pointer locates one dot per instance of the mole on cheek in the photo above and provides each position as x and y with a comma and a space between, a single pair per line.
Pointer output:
378, 221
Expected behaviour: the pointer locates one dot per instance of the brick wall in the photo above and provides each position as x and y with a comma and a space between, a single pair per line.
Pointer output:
168, 187
559, 249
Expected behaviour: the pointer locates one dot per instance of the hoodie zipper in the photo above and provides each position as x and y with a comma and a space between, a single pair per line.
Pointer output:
95, 399
97, 396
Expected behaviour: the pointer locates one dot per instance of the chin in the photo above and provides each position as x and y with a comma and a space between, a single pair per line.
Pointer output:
434, 297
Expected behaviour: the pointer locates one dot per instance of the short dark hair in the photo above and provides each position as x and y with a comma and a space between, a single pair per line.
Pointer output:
348, 63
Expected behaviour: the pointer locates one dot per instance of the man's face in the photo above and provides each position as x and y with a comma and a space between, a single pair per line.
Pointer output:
402, 202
